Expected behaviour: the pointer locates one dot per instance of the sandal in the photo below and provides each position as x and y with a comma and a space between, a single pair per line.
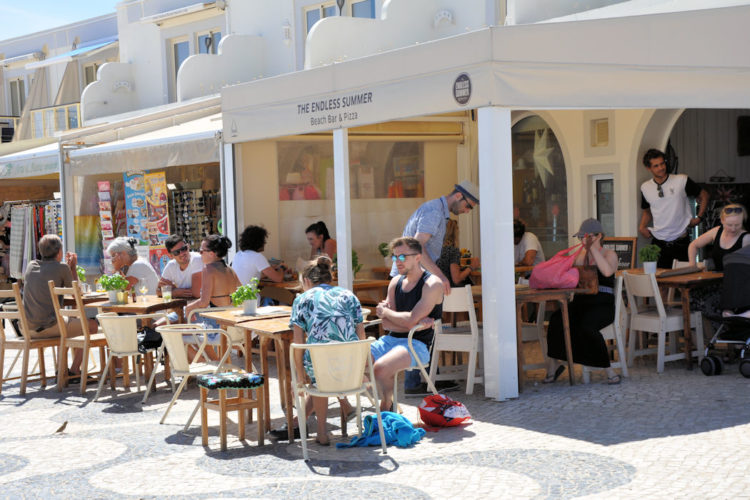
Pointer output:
552, 378
614, 380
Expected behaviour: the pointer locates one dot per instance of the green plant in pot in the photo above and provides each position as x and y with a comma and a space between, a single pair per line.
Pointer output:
247, 297
114, 284
356, 266
385, 251
649, 254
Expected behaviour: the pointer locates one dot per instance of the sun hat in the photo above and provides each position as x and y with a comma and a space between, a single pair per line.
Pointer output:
589, 226
468, 189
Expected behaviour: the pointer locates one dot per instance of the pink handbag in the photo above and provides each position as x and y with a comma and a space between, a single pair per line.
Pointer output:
557, 272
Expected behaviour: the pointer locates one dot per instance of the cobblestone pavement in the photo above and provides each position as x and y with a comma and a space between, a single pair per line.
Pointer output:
675, 435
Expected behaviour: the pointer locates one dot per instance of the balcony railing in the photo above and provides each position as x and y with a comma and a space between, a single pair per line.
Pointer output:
46, 121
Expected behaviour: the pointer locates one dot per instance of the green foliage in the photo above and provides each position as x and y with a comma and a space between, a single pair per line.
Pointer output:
81, 272
356, 266
649, 253
246, 292
383, 249
114, 282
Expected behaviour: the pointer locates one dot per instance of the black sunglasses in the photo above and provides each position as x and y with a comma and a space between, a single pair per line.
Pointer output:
463, 197
660, 191
732, 210
180, 250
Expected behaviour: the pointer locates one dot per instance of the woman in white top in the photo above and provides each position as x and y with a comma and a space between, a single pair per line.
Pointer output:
125, 261
250, 263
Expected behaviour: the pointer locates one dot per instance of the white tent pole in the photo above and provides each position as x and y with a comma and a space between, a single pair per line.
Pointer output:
498, 273
228, 195
343, 205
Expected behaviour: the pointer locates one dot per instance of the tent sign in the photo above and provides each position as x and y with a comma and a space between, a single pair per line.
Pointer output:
335, 111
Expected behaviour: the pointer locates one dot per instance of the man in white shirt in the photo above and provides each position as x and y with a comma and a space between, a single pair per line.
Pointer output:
664, 199
249, 263
183, 272
528, 251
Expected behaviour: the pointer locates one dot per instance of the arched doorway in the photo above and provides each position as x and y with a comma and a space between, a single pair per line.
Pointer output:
540, 194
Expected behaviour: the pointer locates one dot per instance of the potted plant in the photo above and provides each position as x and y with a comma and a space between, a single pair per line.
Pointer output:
356, 266
81, 273
114, 284
649, 255
385, 252
247, 297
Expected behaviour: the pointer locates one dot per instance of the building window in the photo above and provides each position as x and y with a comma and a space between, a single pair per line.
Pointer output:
363, 8
17, 96
315, 13
180, 52
89, 73
540, 194
208, 43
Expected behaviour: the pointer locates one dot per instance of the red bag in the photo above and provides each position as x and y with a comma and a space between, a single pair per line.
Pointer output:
441, 411
557, 272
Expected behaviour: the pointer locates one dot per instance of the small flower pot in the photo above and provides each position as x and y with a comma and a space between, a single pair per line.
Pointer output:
249, 307
649, 267
112, 296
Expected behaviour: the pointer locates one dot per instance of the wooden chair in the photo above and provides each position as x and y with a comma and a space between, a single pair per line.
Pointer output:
242, 383
86, 341
464, 337
281, 295
656, 319
535, 331
671, 301
24, 344
339, 369
614, 332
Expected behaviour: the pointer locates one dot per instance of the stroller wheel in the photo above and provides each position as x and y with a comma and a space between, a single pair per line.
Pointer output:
708, 366
745, 368
719, 365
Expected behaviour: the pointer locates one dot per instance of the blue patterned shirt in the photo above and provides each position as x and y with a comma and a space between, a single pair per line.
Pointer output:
327, 314
429, 218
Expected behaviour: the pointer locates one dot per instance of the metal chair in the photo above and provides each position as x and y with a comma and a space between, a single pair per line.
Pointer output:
420, 365
339, 369
614, 331
464, 337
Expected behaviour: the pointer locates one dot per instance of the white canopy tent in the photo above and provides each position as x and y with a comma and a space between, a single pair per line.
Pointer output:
673, 60
41, 160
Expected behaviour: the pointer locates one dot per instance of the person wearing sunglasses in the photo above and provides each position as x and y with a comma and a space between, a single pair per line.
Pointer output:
726, 238
664, 200
183, 271
415, 297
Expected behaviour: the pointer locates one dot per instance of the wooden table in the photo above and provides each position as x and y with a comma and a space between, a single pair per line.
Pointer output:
87, 298
684, 283
561, 295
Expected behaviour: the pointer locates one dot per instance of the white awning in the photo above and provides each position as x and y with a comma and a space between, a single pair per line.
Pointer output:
191, 143
89, 49
17, 60
43, 160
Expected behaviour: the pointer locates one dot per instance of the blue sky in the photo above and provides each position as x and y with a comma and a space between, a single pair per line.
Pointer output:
28, 16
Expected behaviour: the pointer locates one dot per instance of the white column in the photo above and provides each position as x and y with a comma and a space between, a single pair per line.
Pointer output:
67, 202
228, 196
343, 206
498, 274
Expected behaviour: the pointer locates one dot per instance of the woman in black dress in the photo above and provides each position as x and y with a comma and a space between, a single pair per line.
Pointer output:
587, 313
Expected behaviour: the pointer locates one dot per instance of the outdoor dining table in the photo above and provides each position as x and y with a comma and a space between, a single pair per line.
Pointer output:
684, 283
525, 295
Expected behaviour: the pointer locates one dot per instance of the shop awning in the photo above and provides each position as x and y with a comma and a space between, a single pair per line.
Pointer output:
599, 64
42, 160
191, 143
89, 49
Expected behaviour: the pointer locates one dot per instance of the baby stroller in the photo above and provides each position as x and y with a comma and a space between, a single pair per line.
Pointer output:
735, 321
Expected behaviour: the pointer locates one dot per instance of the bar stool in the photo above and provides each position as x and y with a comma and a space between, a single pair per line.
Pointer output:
241, 382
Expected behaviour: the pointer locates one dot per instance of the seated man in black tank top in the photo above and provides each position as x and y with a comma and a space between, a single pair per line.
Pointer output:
414, 297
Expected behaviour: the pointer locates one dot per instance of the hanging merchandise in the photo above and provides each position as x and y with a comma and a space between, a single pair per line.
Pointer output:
158, 214
136, 208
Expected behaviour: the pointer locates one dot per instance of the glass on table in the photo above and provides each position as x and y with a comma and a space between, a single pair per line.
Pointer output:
166, 293
143, 288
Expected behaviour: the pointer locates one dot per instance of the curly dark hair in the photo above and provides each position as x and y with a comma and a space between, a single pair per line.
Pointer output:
253, 238
652, 154
218, 244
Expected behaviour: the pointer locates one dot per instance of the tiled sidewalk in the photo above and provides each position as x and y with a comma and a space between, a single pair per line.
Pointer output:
675, 435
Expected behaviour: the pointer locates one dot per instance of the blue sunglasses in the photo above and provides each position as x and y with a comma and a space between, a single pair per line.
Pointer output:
402, 257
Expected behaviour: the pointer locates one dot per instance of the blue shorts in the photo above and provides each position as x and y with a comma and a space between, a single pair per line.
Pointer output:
208, 323
387, 343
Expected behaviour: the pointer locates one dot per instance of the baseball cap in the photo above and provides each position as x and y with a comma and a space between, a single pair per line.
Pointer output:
589, 226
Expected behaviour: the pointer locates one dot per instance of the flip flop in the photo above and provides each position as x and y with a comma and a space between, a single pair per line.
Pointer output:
614, 380
553, 378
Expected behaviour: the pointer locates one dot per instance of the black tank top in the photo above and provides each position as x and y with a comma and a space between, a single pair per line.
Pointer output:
718, 253
405, 301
